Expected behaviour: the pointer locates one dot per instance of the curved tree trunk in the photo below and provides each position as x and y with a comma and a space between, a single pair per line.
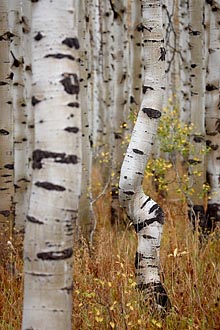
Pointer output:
146, 215
52, 215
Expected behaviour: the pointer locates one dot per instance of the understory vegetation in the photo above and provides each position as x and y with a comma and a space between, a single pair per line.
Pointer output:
104, 292
105, 295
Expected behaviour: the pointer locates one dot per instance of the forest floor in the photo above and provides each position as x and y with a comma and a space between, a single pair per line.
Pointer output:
104, 293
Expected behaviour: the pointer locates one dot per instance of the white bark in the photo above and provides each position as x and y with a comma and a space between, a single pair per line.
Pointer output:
6, 130
19, 111
86, 215
117, 111
213, 116
52, 215
135, 56
146, 215
197, 73
184, 59
29, 113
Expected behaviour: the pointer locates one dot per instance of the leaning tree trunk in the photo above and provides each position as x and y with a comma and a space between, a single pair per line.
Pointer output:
146, 215
196, 158
213, 118
52, 214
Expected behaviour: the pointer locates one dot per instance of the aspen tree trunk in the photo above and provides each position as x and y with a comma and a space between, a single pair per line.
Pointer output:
196, 160
52, 214
135, 56
117, 113
86, 216
19, 111
95, 40
27, 90
213, 117
147, 216
108, 88
184, 58
6, 129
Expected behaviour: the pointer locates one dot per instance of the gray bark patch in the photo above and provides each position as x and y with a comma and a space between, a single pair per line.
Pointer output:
39, 155
152, 113
49, 186
56, 255
71, 43
70, 83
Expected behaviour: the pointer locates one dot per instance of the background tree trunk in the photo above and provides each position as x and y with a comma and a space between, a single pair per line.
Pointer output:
197, 73
6, 131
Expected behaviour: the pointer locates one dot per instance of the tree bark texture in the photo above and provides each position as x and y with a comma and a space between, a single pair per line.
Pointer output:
146, 215
53, 209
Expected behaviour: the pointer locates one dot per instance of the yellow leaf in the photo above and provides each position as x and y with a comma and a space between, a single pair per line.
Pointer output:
156, 323
112, 324
175, 252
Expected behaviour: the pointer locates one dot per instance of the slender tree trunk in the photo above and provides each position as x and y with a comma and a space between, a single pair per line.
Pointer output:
146, 215
86, 216
52, 215
196, 160
135, 56
19, 110
184, 58
27, 90
6, 130
213, 117
117, 112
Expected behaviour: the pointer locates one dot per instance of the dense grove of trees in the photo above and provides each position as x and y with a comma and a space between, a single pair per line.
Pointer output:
78, 87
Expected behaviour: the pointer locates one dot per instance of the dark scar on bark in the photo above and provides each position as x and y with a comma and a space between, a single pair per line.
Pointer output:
152, 113
49, 186
70, 83
71, 42
56, 255
39, 155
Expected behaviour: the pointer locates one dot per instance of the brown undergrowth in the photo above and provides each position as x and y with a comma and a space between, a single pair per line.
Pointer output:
104, 293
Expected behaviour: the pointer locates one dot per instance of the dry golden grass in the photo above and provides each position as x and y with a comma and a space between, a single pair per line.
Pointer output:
104, 282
